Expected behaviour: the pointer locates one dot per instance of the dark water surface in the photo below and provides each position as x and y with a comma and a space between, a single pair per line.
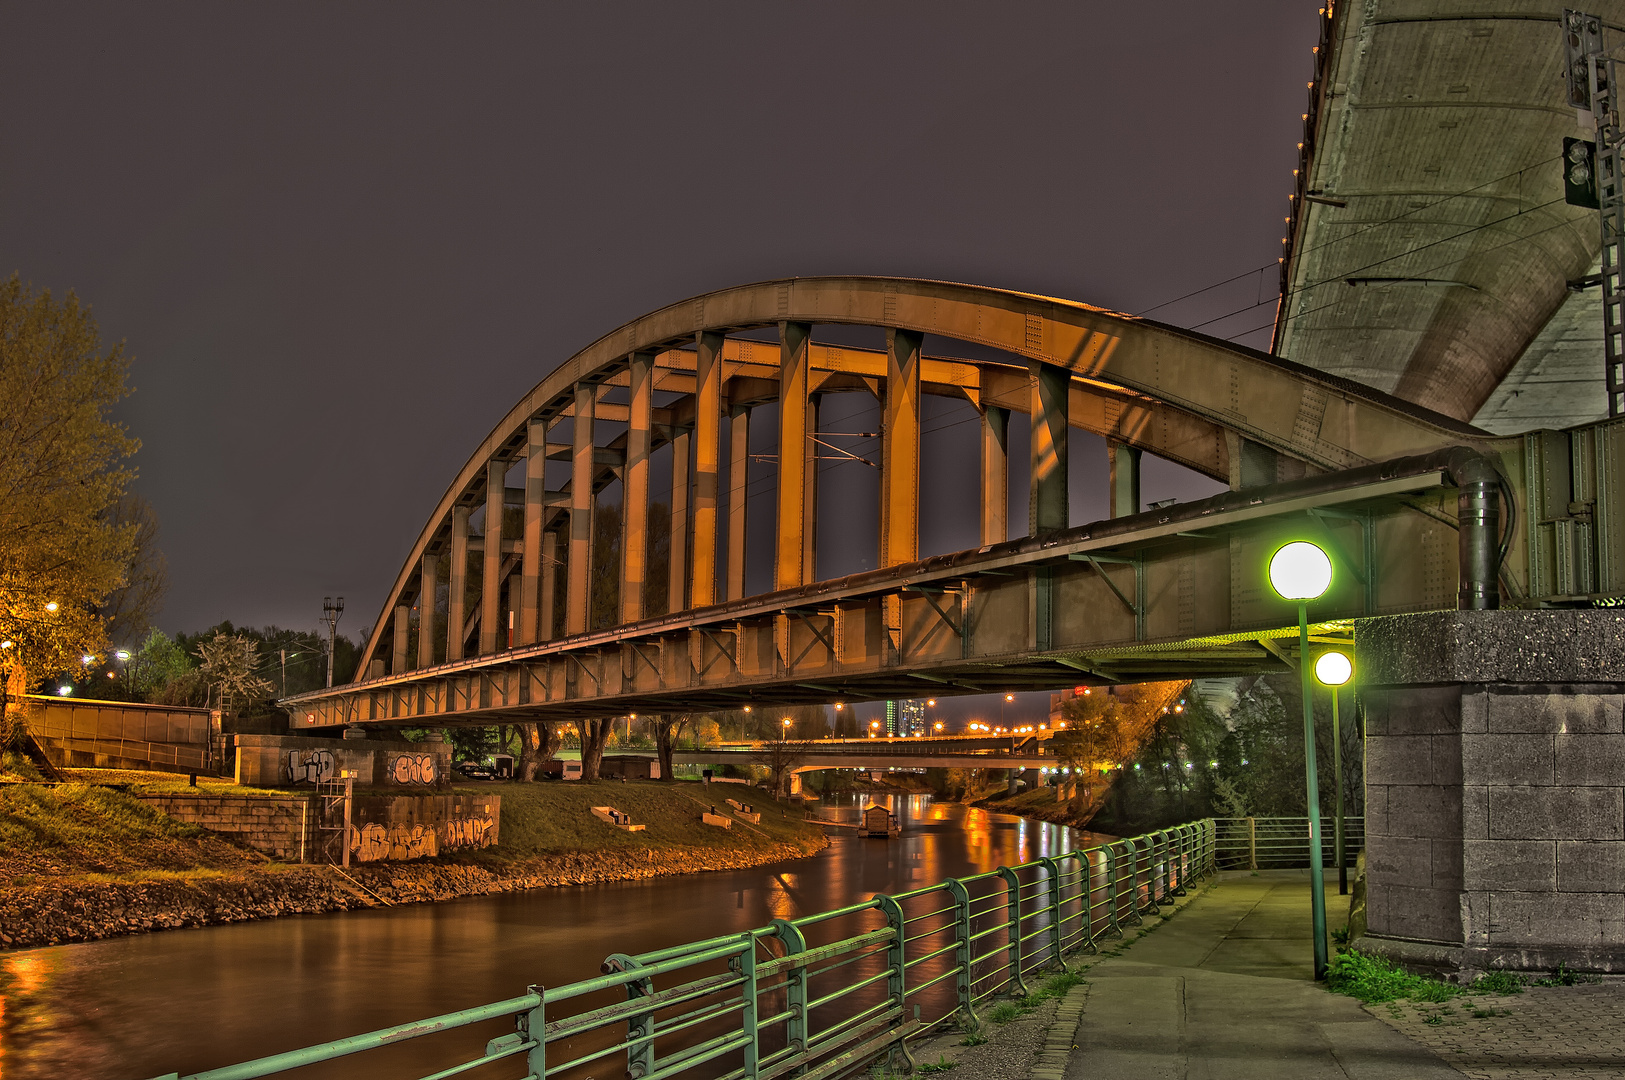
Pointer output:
194, 999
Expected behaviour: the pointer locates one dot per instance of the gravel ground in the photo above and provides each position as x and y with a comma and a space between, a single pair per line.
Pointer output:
1008, 1053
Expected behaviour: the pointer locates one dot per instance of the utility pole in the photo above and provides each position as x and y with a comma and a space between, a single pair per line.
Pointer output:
330, 615
1592, 92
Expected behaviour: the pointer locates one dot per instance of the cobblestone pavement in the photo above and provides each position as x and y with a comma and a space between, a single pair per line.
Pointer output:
1560, 1032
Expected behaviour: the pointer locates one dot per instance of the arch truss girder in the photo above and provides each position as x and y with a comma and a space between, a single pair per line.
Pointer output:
1163, 595
1197, 401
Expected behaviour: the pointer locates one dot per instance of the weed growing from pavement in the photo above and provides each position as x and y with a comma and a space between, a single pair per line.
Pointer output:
941, 1065
1372, 979
1004, 1012
975, 1038
1565, 977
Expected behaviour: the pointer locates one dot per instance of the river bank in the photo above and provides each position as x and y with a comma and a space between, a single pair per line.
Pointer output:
85, 862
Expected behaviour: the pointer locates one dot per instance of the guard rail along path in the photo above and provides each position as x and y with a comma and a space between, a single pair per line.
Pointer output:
815, 997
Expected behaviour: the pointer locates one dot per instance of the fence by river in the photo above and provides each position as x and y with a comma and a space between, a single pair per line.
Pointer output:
819, 995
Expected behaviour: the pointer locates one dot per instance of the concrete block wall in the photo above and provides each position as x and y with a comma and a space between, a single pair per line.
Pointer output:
273, 824
1495, 788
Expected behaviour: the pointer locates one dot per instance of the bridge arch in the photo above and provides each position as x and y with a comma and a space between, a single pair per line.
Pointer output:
1233, 413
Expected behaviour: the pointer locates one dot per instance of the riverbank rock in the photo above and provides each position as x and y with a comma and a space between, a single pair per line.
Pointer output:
59, 909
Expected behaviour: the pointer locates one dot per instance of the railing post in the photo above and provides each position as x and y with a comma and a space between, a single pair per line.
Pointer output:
896, 969
1151, 907
795, 990
968, 1020
1112, 893
533, 1026
1012, 907
1177, 878
745, 965
1252, 844
1052, 867
640, 1027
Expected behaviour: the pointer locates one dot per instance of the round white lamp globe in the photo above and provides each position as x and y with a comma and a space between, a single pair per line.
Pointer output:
1333, 668
1300, 571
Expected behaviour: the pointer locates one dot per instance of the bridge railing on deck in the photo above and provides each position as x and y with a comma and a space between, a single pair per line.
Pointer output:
817, 996
1273, 843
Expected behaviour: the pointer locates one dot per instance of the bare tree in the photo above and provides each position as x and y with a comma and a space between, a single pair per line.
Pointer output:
668, 729
537, 743
594, 734
228, 663
783, 757
129, 609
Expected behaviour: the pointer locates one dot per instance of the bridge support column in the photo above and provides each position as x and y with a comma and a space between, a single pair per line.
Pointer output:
738, 485
492, 624
635, 490
995, 475
1125, 479
457, 583
403, 621
707, 460
795, 478
578, 596
531, 568
547, 628
677, 587
900, 450
1047, 491
809, 502
1494, 793
428, 585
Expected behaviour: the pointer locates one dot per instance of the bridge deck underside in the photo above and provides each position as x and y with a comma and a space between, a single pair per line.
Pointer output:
1172, 594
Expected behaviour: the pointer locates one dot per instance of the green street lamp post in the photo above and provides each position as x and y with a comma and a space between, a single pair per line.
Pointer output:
1301, 571
1333, 669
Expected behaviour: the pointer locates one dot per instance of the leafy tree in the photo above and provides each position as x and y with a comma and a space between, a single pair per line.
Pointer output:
64, 549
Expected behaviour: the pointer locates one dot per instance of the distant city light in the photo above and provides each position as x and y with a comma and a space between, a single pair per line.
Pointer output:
122, 655
51, 606
64, 691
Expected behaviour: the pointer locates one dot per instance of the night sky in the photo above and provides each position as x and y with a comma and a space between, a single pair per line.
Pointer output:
340, 240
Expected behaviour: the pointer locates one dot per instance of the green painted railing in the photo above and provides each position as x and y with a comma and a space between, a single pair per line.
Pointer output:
815, 997
1269, 843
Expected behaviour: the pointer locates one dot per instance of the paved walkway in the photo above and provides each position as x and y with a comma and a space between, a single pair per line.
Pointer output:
1223, 991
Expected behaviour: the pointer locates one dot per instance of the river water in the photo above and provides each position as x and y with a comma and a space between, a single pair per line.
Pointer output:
186, 1000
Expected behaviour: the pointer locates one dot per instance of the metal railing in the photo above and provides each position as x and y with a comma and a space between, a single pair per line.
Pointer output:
814, 997
1275, 843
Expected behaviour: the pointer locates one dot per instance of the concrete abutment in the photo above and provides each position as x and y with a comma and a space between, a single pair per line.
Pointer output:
1495, 789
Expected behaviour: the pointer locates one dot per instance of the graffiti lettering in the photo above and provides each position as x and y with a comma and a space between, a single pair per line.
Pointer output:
413, 769
310, 766
373, 842
468, 832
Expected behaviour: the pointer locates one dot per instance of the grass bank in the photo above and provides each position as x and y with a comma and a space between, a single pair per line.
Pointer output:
85, 860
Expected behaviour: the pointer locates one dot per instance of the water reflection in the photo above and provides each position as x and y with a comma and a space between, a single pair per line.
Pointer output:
195, 999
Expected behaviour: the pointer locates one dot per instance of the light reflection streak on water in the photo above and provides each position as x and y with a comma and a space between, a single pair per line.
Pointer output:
191, 999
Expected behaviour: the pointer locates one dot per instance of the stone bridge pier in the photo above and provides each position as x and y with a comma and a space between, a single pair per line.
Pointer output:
1495, 789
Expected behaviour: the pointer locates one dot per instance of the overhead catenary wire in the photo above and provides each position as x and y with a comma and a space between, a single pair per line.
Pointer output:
1428, 270
1352, 235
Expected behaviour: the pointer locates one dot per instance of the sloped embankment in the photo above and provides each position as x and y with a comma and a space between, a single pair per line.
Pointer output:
83, 862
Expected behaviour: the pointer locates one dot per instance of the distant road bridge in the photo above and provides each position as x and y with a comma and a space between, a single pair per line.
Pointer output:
951, 752
1175, 592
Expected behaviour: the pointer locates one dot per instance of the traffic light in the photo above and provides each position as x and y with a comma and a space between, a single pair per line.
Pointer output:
1580, 173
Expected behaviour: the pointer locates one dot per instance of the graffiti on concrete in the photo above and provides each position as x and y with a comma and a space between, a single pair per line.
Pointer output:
469, 832
373, 842
412, 769
310, 766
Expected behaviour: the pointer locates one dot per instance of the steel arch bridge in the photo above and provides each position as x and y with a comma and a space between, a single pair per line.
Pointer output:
1175, 592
